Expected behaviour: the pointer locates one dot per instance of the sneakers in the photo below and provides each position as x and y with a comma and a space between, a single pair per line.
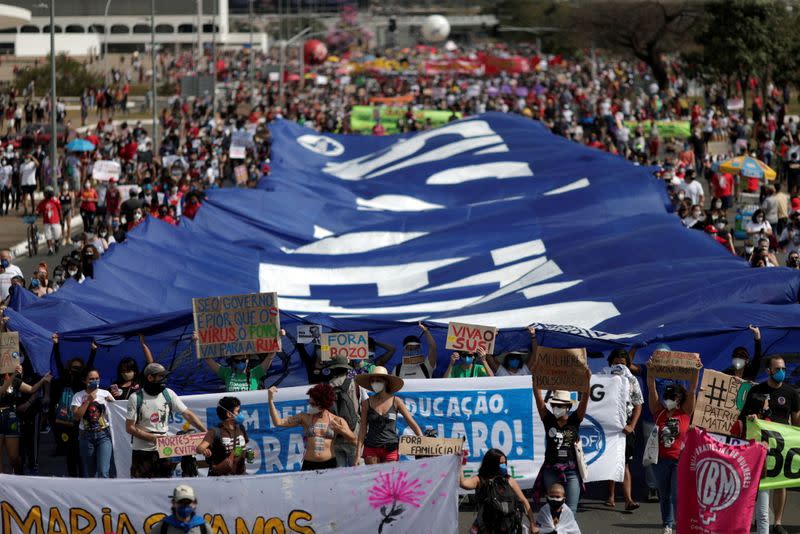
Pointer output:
652, 495
778, 529
667, 530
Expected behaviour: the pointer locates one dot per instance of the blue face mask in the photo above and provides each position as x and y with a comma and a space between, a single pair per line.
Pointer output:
4, 264
467, 360
184, 511
93, 384
514, 363
239, 418
240, 367
504, 469
779, 375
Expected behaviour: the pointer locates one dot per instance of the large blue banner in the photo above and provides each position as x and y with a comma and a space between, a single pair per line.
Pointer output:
489, 220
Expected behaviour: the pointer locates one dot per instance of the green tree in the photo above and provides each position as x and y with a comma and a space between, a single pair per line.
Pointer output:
72, 77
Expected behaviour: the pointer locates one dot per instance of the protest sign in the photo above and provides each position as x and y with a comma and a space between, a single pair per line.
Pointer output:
9, 352
560, 369
674, 365
414, 496
717, 484
425, 446
240, 171
104, 170
309, 333
782, 469
363, 119
719, 401
179, 445
469, 337
236, 152
236, 324
350, 344
666, 129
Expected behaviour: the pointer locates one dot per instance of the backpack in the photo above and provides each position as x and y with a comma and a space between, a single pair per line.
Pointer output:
165, 527
498, 508
344, 407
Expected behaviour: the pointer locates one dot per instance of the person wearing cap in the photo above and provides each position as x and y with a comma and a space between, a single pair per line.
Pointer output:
561, 433
184, 518
468, 366
322, 427
378, 440
516, 363
414, 363
672, 415
148, 419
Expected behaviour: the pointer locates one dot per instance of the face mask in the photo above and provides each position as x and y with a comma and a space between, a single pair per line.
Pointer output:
559, 411
35, 283
103, 234
514, 363
748, 250
153, 388
760, 219
555, 505
313, 410
738, 363
184, 511
779, 375
93, 384
670, 404
87, 185
137, 216
4, 264
618, 369
239, 367
128, 375
378, 386
72, 272
504, 469
467, 360
697, 214
681, 196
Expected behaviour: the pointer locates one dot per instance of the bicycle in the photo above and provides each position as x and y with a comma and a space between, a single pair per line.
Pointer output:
33, 235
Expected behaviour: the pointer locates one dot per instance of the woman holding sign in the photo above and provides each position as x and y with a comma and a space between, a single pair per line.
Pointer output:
378, 440
320, 424
672, 416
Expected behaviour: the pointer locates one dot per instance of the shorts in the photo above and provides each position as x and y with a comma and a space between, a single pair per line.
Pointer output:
9, 424
308, 465
52, 232
382, 454
28, 189
147, 464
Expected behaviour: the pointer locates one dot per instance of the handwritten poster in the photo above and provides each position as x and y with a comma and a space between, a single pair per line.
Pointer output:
237, 324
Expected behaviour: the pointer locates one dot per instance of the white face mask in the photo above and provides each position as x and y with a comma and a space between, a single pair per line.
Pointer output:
670, 404
72, 273
739, 363
313, 410
378, 386
559, 411
137, 216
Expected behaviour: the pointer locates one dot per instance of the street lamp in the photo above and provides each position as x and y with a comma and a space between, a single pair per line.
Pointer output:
53, 108
105, 35
153, 77
284, 44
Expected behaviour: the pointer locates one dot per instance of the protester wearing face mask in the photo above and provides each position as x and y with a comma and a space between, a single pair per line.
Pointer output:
561, 433
793, 260
696, 219
90, 411
74, 271
556, 517
368, 364
224, 445
11, 385
415, 364
378, 439
184, 518
515, 363
619, 362
468, 365
147, 419
89, 198
347, 405
237, 375
758, 224
62, 391
137, 218
322, 428
784, 408
493, 478
128, 380
672, 416
741, 364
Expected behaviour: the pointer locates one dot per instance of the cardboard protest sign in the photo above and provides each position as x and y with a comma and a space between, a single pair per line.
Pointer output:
240, 171
350, 344
560, 369
719, 402
180, 445
469, 337
675, 365
9, 352
413, 360
237, 324
104, 170
425, 446
309, 333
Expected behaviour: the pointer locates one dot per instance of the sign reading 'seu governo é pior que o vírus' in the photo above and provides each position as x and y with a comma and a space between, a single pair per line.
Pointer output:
237, 324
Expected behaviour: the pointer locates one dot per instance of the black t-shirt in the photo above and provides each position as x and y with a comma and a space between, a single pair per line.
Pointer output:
10, 396
783, 400
560, 447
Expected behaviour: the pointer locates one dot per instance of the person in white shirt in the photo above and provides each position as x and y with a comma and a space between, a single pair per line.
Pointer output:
770, 206
94, 441
6, 171
515, 363
27, 180
149, 410
693, 188
414, 363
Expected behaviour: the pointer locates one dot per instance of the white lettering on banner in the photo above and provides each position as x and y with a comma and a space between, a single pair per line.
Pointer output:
578, 184
321, 144
583, 314
355, 243
475, 133
503, 275
325, 306
419, 496
499, 169
518, 251
395, 203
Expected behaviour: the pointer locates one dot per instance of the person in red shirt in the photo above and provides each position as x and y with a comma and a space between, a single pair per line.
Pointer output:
722, 188
89, 198
113, 199
192, 205
672, 416
50, 210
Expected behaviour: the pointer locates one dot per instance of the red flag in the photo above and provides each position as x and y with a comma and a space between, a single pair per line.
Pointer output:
717, 484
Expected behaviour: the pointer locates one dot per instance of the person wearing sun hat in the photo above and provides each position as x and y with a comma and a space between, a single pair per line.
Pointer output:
378, 439
561, 432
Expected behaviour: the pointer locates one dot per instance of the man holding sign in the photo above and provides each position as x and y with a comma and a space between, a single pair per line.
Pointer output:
784, 407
